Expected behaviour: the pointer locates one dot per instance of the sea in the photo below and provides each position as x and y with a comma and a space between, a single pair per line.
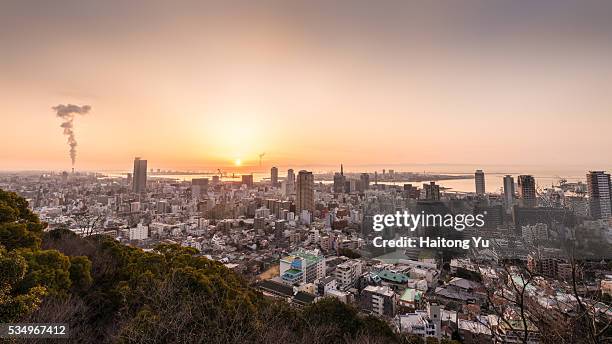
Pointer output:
545, 176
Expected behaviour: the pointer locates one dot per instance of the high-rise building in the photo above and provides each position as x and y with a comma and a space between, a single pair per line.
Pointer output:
365, 180
527, 191
338, 183
508, 191
290, 188
479, 179
305, 192
600, 194
274, 176
431, 191
139, 179
199, 187
247, 179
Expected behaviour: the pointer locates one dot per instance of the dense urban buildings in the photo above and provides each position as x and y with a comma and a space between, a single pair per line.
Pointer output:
304, 242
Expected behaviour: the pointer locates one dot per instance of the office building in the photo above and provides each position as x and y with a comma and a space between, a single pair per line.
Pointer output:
527, 191
508, 191
305, 192
479, 179
365, 181
600, 196
290, 187
339, 183
274, 176
139, 177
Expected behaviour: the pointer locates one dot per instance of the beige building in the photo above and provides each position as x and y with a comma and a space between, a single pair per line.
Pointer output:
305, 192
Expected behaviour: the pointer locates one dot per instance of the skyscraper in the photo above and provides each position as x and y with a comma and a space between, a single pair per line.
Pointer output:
274, 176
290, 182
365, 180
600, 195
527, 191
305, 192
139, 179
479, 179
339, 181
509, 191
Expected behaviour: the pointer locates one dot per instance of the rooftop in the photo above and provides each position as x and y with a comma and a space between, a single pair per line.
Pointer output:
392, 276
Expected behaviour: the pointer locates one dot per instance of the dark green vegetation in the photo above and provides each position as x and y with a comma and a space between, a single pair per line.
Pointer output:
347, 252
109, 292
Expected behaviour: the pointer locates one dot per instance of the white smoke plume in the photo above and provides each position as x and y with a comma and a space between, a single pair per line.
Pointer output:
67, 113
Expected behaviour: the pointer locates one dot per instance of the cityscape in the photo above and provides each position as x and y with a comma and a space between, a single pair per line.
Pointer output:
299, 239
306, 172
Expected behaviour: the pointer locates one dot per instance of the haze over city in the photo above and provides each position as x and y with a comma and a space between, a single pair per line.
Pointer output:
195, 85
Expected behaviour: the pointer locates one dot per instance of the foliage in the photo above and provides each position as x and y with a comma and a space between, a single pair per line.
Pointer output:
347, 252
13, 268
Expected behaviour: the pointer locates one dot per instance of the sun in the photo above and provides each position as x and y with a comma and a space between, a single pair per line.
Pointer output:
237, 162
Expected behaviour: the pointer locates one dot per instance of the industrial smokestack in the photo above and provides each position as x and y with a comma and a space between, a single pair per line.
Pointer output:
67, 113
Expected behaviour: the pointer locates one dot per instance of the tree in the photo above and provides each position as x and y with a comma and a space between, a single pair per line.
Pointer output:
347, 252
14, 305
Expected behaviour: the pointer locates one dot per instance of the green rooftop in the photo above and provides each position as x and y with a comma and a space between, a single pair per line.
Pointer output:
392, 276
292, 272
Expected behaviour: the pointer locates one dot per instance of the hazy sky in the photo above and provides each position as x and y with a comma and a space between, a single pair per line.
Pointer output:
196, 84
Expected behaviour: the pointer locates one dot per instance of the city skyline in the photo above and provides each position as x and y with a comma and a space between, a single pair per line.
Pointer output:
201, 86
301, 172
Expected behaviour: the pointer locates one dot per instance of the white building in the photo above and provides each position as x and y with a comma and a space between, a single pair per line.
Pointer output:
423, 323
302, 266
347, 273
140, 232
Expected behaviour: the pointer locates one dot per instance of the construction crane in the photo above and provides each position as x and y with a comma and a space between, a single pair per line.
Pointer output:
261, 157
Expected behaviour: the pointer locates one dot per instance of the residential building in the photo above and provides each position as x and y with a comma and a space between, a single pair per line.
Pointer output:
600, 194
305, 192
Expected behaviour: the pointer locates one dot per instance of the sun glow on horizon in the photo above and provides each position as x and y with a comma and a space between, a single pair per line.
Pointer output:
238, 162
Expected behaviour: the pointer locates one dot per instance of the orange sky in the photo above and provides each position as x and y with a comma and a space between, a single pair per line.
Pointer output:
198, 86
